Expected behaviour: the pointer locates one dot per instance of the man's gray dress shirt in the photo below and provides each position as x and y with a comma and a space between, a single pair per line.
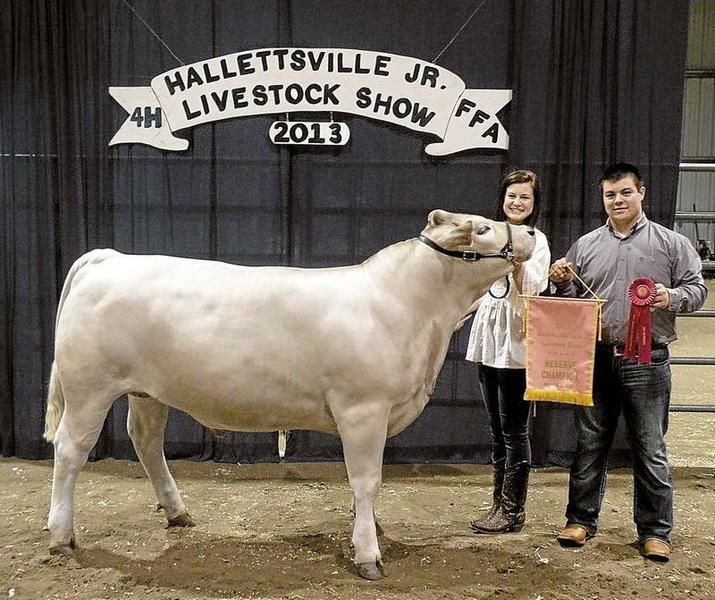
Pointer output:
608, 262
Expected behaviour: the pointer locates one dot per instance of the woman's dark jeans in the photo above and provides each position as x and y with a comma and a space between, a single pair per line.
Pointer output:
642, 392
503, 392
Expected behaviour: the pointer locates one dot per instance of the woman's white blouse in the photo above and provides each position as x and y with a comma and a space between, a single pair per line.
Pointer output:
496, 338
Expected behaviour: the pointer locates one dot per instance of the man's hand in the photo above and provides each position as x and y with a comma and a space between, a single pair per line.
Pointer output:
662, 297
560, 271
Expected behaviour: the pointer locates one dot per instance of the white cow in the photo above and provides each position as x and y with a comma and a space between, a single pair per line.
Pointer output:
353, 351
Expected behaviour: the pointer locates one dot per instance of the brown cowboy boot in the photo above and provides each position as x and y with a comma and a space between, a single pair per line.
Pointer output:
510, 516
496, 495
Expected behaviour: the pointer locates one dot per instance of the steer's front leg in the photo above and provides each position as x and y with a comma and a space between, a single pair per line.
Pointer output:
363, 430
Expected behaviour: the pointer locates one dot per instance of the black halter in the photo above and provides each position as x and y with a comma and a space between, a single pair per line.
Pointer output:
507, 252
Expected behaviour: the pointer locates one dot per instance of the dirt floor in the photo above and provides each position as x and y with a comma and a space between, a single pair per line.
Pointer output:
282, 531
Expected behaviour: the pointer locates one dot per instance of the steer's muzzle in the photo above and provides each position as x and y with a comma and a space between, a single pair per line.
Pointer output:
524, 239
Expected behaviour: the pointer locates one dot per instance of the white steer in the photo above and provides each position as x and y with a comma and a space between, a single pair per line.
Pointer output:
353, 351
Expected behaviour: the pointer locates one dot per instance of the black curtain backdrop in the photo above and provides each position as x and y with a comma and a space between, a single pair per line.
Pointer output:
594, 82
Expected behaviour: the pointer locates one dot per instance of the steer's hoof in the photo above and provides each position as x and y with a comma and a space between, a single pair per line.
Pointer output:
63, 549
182, 520
371, 571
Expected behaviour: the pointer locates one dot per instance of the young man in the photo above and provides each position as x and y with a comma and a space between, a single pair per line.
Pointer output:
608, 259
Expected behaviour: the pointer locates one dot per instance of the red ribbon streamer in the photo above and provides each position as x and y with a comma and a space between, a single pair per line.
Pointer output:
641, 293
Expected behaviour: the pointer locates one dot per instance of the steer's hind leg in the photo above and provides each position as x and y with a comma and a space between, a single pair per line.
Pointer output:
146, 422
76, 435
363, 431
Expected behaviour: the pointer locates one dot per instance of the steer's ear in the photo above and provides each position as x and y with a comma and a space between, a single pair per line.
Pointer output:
437, 217
462, 234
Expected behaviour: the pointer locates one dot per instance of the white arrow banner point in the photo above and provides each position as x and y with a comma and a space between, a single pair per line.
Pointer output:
147, 123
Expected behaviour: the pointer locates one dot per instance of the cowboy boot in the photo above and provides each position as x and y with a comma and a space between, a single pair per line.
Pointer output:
510, 515
496, 495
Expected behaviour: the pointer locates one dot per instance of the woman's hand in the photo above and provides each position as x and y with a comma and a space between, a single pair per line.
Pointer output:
462, 322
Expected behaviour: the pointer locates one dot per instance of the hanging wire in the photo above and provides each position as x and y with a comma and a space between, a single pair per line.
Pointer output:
156, 35
456, 35
181, 62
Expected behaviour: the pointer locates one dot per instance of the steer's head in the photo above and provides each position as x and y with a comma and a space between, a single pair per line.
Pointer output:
459, 232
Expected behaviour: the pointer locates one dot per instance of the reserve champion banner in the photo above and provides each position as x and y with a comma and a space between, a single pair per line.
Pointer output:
404, 91
561, 336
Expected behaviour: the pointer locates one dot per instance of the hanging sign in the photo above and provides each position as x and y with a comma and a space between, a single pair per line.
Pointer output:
404, 91
561, 338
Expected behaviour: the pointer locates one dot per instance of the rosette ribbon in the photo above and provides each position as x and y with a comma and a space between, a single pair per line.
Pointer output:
641, 293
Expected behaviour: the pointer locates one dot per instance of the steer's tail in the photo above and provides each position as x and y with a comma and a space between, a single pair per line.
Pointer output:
55, 405
55, 398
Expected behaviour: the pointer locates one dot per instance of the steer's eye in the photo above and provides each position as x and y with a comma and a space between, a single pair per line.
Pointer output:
482, 229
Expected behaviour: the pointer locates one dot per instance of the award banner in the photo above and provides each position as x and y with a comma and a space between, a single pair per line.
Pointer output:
404, 91
561, 336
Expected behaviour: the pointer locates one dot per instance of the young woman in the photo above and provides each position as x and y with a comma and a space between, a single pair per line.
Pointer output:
496, 343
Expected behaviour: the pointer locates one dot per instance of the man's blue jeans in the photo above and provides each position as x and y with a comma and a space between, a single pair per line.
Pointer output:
642, 392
